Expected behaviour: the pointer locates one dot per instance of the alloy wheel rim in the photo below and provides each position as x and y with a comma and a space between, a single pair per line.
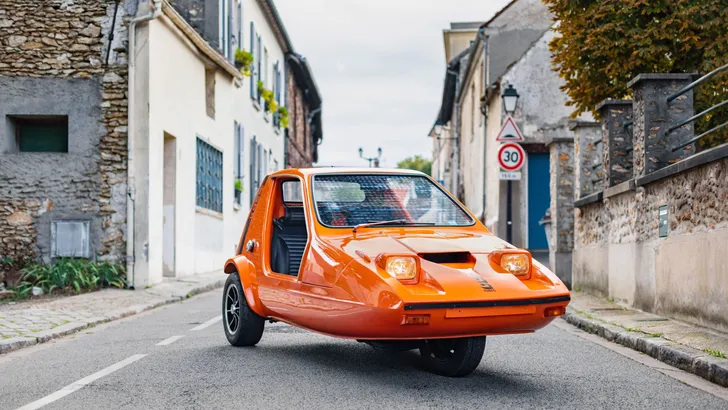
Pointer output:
232, 309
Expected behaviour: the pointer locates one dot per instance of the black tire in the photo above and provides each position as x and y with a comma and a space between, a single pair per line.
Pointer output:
245, 328
453, 357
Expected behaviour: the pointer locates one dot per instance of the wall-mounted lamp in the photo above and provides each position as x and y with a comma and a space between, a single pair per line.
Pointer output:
510, 99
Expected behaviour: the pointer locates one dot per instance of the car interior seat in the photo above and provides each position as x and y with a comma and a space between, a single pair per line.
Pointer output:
289, 241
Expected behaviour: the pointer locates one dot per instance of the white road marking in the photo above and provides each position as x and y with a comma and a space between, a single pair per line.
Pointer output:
81, 383
207, 324
169, 340
664, 368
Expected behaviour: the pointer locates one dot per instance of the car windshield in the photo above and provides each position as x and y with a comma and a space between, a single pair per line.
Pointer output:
351, 200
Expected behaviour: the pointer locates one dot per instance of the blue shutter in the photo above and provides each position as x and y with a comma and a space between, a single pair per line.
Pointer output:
253, 174
276, 91
229, 22
236, 137
259, 57
241, 153
240, 25
253, 83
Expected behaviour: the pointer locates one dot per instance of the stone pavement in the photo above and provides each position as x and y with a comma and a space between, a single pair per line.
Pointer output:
689, 347
26, 323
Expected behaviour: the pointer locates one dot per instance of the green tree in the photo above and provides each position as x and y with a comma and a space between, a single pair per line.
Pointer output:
605, 43
417, 163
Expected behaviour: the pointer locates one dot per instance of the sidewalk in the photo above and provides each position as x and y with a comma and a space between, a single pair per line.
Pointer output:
26, 323
692, 348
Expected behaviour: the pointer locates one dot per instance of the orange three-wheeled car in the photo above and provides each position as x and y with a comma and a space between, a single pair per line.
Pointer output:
385, 257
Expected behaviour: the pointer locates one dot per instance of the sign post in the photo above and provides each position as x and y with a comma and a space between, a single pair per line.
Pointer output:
510, 157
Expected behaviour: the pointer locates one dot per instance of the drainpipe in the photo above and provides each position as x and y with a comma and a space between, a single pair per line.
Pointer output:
153, 10
456, 137
484, 38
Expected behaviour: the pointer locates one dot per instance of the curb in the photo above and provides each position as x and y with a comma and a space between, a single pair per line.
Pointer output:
685, 358
17, 343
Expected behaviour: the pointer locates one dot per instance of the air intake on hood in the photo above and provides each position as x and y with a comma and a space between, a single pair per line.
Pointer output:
448, 257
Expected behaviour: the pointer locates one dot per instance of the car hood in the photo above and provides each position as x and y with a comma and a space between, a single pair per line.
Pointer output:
476, 280
437, 242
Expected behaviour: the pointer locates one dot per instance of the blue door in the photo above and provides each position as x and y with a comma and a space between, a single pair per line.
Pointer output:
539, 198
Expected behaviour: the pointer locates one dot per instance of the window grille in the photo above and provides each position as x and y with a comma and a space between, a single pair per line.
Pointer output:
209, 177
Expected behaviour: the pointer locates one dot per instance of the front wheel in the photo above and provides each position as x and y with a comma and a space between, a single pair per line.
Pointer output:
453, 357
243, 327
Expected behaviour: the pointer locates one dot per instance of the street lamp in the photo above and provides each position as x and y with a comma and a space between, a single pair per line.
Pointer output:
510, 99
371, 160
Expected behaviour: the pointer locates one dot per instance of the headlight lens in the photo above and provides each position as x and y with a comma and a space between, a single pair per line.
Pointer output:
516, 263
402, 267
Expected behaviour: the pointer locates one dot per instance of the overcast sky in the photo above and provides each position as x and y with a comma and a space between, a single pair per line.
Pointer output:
380, 66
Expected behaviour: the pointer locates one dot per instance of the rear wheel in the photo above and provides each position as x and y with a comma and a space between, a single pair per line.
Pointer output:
243, 327
453, 357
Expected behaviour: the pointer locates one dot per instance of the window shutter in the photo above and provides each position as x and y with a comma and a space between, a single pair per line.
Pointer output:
259, 58
241, 153
253, 83
240, 25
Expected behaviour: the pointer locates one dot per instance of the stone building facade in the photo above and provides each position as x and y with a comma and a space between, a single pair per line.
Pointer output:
58, 65
657, 239
80, 121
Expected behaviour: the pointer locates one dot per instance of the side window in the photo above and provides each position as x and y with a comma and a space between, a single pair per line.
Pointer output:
292, 191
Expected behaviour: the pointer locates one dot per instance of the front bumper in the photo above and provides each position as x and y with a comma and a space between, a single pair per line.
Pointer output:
445, 319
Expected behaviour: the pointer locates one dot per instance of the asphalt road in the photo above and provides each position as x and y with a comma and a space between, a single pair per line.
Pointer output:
156, 360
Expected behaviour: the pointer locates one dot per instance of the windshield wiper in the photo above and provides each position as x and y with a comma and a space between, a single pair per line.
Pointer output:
393, 222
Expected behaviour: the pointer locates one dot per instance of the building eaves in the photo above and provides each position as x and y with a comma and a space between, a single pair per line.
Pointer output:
274, 20
495, 85
448, 93
203, 46
475, 48
496, 15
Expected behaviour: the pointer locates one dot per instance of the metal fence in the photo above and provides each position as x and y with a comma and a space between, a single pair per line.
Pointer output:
695, 117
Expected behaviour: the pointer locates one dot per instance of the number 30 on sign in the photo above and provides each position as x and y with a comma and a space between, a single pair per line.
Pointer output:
510, 156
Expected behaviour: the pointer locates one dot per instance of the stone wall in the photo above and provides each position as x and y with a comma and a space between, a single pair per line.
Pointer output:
618, 249
298, 149
53, 57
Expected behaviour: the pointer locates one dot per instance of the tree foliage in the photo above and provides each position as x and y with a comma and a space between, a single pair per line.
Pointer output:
416, 163
603, 44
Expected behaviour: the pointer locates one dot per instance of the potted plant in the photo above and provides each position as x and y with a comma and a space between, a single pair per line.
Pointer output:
244, 61
238, 190
270, 103
283, 117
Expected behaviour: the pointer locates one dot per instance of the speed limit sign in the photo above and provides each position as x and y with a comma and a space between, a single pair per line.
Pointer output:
510, 156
